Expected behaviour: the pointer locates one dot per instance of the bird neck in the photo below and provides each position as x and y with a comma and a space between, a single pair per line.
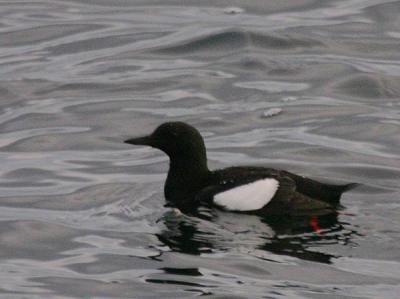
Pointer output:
186, 176
188, 168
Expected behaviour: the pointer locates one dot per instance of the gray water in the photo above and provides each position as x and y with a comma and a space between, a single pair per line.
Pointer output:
308, 86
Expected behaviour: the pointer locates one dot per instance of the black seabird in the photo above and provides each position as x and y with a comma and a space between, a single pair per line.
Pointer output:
247, 189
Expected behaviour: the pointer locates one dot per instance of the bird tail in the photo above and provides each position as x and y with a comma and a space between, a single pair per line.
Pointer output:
347, 187
338, 190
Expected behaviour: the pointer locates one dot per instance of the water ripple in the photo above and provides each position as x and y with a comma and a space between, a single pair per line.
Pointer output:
82, 214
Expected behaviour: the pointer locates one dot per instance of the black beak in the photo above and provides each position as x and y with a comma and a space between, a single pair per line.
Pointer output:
146, 140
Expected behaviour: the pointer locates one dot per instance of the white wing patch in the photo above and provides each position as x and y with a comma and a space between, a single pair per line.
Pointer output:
248, 197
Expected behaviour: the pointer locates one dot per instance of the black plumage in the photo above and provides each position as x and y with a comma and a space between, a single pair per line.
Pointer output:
190, 183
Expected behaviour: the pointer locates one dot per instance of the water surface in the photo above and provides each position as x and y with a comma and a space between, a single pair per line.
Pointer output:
308, 86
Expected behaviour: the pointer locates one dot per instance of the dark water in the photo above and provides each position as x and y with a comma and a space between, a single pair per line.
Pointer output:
310, 86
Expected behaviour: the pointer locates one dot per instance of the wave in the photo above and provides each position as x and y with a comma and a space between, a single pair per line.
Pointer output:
232, 40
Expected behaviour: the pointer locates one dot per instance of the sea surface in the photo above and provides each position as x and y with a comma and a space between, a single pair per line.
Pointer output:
308, 86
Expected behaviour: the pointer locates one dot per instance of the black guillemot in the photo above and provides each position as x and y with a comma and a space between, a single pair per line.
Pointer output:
246, 189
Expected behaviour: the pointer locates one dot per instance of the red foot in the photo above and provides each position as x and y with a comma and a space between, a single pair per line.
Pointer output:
314, 224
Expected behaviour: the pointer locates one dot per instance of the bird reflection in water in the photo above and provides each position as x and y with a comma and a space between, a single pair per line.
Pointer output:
212, 231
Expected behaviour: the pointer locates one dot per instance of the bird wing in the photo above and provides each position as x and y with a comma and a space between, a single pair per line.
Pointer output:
247, 189
328, 193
